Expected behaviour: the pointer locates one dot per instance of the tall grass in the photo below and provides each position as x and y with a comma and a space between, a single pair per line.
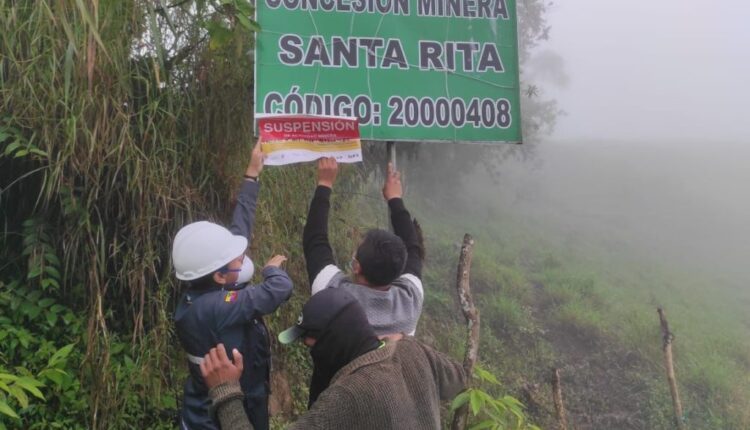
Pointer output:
111, 142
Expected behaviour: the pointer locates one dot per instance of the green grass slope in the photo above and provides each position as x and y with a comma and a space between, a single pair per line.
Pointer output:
591, 313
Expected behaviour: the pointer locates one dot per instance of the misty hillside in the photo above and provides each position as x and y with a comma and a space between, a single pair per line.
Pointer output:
669, 202
588, 239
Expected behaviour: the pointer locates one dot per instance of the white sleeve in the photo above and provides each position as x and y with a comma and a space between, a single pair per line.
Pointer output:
324, 277
414, 281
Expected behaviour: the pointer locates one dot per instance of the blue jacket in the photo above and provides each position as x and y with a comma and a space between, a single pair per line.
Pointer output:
207, 317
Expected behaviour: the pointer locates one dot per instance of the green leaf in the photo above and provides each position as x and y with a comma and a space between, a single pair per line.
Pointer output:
20, 395
22, 371
219, 34
49, 282
31, 310
52, 258
34, 272
34, 296
248, 23
460, 400
21, 153
512, 401
51, 318
23, 339
60, 355
485, 375
476, 402
52, 272
46, 302
30, 385
55, 375
12, 147
5, 409
38, 151
245, 7
486, 424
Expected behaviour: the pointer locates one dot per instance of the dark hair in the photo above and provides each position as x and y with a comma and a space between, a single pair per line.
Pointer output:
205, 282
381, 256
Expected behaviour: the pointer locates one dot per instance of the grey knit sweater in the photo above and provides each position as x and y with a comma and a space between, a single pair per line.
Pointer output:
394, 310
399, 386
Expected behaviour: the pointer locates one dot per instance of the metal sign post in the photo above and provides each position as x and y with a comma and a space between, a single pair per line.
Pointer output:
391, 148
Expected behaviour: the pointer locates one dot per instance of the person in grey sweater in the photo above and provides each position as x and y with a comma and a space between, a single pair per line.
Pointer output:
393, 384
386, 267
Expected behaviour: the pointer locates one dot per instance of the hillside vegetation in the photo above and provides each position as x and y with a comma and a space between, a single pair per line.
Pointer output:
545, 305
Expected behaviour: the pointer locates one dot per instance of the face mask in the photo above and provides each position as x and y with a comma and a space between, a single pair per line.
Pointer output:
246, 272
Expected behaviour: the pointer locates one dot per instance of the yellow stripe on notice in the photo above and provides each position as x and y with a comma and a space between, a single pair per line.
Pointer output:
344, 145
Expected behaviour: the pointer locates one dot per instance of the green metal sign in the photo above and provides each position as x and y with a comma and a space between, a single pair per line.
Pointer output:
435, 70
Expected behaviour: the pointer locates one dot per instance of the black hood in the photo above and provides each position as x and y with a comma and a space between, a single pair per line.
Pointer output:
346, 337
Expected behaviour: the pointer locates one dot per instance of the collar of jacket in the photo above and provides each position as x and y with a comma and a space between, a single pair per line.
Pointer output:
372, 357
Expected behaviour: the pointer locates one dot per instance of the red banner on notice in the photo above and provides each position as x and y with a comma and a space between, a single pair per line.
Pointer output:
287, 139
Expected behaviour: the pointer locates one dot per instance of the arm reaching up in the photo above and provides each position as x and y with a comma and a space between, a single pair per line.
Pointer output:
402, 222
317, 249
244, 213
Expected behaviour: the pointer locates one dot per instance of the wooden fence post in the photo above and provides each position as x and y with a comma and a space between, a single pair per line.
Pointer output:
562, 418
471, 313
667, 338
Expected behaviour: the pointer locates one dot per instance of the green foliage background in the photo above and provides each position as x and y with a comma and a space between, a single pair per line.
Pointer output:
113, 135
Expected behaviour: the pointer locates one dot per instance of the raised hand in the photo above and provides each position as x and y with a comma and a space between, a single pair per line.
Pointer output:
256, 161
275, 261
392, 188
328, 168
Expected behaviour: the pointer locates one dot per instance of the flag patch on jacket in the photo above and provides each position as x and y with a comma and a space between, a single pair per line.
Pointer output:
231, 296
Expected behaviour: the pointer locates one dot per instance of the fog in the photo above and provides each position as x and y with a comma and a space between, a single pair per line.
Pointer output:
652, 155
657, 72
686, 206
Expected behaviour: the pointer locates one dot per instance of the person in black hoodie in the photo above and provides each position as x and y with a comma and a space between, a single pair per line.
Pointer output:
358, 381
337, 331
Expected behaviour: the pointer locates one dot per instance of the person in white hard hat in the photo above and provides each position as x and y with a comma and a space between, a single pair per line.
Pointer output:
219, 306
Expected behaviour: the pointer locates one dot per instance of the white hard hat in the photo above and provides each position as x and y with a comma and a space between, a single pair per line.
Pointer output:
202, 248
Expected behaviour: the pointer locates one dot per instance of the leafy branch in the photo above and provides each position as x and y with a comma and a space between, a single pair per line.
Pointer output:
496, 413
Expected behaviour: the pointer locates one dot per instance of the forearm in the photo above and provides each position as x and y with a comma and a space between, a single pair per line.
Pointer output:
403, 226
315, 244
244, 213
275, 289
227, 404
